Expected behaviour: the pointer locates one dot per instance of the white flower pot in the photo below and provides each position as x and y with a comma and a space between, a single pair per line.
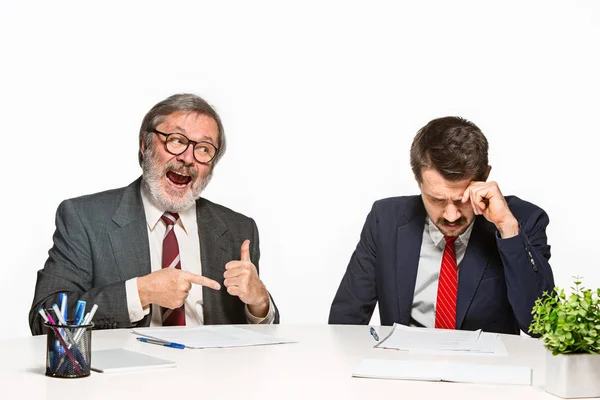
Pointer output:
572, 376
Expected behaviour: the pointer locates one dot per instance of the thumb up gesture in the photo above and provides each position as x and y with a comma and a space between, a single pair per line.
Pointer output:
241, 280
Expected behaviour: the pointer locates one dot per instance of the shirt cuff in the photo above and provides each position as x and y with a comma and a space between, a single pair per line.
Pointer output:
268, 319
134, 305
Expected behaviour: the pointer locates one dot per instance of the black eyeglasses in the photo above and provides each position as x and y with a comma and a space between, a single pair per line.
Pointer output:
177, 143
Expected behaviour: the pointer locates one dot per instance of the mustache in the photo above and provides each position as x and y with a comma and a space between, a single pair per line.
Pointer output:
444, 222
181, 167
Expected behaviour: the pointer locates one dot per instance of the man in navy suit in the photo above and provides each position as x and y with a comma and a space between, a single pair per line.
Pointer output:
459, 256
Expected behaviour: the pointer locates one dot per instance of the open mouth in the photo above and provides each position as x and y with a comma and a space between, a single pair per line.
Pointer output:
178, 179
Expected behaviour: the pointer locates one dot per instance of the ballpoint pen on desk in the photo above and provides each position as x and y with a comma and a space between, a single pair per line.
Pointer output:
161, 343
374, 334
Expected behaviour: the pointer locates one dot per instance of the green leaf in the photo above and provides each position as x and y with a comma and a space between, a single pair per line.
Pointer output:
568, 323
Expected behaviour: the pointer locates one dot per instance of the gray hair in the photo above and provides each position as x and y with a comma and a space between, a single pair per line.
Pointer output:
182, 102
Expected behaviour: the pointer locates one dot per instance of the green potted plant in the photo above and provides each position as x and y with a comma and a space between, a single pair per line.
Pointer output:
569, 325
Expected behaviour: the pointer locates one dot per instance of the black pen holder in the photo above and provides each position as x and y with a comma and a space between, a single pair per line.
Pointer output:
69, 350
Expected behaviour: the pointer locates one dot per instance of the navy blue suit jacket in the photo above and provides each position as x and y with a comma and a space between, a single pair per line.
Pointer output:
499, 279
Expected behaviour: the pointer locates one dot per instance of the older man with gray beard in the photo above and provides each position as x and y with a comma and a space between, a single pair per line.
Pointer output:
155, 252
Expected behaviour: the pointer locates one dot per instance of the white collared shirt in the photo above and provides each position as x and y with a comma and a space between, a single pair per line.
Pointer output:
186, 231
428, 273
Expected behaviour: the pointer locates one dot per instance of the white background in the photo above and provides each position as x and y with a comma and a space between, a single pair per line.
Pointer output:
320, 102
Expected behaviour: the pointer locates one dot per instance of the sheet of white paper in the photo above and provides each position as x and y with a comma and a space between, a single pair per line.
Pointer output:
408, 338
444, 371
201, 337
488, 344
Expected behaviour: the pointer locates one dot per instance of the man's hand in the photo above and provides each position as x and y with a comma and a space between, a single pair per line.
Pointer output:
487, 200
169, 287
241, 280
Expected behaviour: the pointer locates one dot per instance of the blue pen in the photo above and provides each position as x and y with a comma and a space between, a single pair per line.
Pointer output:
374, 334
79, 312
62, 300
161, 343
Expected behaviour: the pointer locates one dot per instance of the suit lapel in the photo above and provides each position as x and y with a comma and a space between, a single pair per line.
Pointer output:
409, 239
214, 248
473, 266
129, 240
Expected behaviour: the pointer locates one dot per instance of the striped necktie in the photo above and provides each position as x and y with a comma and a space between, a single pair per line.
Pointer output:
445, 306
170, 259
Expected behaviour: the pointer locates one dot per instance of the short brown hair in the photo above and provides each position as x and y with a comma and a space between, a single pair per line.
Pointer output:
183, 102
453, 146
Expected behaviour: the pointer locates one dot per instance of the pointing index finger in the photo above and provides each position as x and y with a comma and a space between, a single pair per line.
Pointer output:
201, 280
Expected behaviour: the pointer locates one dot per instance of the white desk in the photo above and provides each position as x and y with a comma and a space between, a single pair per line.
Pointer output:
319, 366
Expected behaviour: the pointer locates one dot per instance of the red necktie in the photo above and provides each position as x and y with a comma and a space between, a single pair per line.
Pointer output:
170, 259
445, 306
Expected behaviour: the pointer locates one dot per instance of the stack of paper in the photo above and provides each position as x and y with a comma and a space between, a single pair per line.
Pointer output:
443, 341
118, 360
443, 371
202, 337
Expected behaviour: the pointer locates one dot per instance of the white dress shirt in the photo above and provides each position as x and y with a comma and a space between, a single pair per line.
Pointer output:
186, 231
428, 272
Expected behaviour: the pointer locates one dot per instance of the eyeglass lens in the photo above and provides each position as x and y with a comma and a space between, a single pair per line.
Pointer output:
203, 151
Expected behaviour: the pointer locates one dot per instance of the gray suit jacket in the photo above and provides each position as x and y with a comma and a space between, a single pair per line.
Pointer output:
101, 241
